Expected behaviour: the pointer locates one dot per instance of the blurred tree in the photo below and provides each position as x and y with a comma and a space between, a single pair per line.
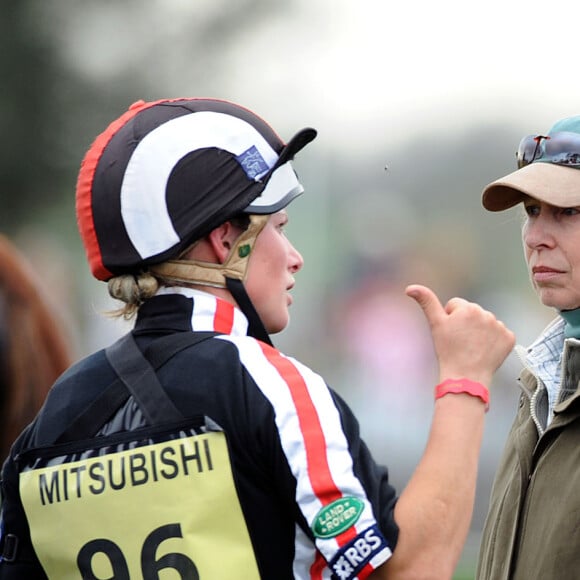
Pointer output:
70, 66
30, 115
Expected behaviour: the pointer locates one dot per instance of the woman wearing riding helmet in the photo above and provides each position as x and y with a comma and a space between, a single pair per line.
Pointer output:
192, 443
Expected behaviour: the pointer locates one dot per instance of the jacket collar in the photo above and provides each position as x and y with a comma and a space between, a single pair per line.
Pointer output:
178, 309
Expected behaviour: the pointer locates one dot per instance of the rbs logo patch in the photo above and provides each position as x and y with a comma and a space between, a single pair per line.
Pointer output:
353, 557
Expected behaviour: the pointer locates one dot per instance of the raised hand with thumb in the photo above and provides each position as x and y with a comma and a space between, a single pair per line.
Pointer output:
469, 341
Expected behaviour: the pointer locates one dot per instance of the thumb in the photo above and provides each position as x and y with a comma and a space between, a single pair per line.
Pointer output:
427, 300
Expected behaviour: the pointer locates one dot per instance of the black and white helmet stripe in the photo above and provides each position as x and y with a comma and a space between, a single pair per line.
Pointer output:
166, 173
143, 192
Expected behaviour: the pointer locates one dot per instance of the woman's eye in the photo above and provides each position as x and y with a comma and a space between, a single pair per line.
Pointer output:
532, 210
570, 211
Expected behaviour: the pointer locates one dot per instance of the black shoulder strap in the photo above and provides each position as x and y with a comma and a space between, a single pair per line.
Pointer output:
137, 377
140, 379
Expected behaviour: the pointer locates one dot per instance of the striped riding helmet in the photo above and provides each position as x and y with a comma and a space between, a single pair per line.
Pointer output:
166, 173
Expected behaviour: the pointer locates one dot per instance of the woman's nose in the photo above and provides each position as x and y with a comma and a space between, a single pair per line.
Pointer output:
537, 233
296, 260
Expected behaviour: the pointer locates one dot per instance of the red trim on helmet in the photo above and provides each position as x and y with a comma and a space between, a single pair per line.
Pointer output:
84, 202
84, 189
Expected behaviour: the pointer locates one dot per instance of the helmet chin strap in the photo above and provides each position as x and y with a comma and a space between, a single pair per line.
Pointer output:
256, 327
231, 274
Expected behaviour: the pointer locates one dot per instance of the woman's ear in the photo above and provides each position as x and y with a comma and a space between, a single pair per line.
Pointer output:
222, 240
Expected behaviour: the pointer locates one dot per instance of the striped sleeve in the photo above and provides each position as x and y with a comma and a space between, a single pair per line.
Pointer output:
328, 493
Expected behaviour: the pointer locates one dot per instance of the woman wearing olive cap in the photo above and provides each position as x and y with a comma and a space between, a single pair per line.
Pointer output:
533, 525
193, 445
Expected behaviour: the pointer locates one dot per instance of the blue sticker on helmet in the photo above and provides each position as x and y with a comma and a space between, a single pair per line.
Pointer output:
252, 162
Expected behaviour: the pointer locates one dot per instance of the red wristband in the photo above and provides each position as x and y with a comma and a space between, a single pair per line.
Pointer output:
456, 386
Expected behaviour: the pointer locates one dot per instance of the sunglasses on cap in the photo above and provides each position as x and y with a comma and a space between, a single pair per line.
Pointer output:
561, 148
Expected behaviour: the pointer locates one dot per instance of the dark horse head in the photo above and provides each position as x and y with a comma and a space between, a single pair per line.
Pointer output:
33, 348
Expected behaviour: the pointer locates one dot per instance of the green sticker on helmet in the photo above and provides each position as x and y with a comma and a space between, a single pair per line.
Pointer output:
336, 517
244, 250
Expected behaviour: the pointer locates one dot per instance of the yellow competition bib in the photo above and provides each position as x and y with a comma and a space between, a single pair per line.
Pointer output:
163, 511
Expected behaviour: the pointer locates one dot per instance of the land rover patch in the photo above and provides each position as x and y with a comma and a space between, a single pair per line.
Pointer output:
336, 517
